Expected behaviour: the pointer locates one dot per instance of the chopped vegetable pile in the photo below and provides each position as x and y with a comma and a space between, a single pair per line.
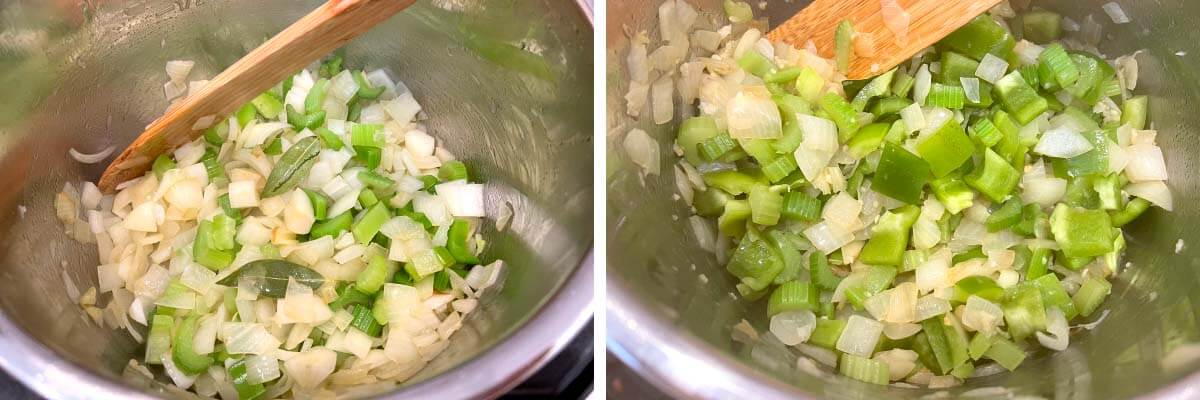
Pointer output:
317, 243
926, 225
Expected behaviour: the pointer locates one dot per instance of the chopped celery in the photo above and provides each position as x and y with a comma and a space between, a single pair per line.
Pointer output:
695, 131
863, 369
1090, 294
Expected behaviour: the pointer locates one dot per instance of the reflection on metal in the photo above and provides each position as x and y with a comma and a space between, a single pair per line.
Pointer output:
90, 83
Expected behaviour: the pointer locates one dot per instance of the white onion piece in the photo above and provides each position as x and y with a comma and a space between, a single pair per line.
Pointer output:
935, 272
181, 379
753, 115
981, 315
859, 336
261, 369
896, 19
971, 86
1118, 158
991, 68
897, 331
1057, 334
1145, 163
842, 210
1027, 52
93, 157
256, 134
636, 61
1115, 12
793, 327
247, 338
462, 199
900, 362
662, 100
935, 117
642, 150
828, 237
310, 368
178, 70
1127, 71
922, 84
930, 306
1044, 191
914, 117
1062, 142
1156, 192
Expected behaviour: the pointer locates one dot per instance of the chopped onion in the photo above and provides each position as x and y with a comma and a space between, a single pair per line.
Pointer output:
181, 379
1118, 158
1057, 334
1156, 192
642, 150
310, 368
1145, 163
256, 134
1127, 71
662, 100
1062, 142
859, 336
931, 306
981, 315
91, 158
900, 362
248, 338
636, 61
793, 327
896, 19
1045, 191
924, 81
753, 115
971, 86
403, 108
828, 237
1115, 12
935, 117
178, 70
934, 273
897, 331
1027, 52
914, 117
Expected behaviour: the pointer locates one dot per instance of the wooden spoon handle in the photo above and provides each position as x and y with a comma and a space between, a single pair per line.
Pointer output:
320, 32
929, 21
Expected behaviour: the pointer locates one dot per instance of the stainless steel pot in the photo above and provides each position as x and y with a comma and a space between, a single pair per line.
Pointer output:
671, 307
89, 74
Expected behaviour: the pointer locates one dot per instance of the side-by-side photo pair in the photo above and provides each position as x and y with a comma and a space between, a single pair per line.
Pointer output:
598, 199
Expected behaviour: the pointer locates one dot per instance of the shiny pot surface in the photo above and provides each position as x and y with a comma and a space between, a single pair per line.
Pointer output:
89, 75
671, 307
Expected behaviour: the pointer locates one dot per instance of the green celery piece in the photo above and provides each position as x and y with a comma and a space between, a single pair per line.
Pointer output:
789, 108
1024, 312
711, 202
372, 278
368, 225
1055, 296
204, 252
732, 182
935, 332
732, 221
332, 226
245, 391
245, 114
1094, 161
842, 38
692, 132
863, 369
224, 229
921, 346
963, 371
1041, 26
267, 105
947, 96
889, 105
978, 285
970, 253
158, 342
979, 345
366, 135
957, 340
877, 87
827, 332
1005, 353
995, 178
1091, 294
162, 164
986, 133
1010, 141
316, 96
809, 85
1093, 73
1133, 209
889, 237
1081, 232
842, 114
792, 296
755, 263
783, 76
760, 149
1056, 60
779, 168
1019, 99
789, 245
329, 138
1134, 111
868, 139
947, 149
1007, 215
901, 175
1031, 214
765, 205
954, 66
755, 63
902, 83
981, 36
182, 351
822, 273
953, 193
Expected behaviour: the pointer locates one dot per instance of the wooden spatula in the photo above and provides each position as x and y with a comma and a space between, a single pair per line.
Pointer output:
928, 22
320, 32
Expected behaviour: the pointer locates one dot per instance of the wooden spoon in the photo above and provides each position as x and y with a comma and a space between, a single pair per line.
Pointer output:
928, 22
320, 32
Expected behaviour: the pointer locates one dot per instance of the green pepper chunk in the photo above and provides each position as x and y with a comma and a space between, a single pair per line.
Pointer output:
995, 178
1081, 232
979, 37
900, 175
889, 237
946, 149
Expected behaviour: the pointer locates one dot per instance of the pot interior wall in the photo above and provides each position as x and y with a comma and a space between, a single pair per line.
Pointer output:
656, 266
88, 78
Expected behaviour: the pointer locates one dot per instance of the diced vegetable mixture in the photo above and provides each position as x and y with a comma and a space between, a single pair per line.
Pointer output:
317, 243
927, 225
